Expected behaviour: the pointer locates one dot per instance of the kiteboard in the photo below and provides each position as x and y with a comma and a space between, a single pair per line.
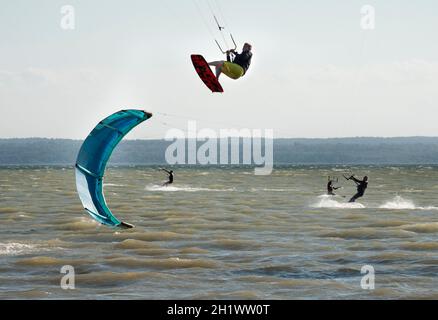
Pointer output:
125, 225
205, 73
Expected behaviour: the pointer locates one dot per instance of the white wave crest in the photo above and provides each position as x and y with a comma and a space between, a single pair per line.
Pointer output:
326, 201
399, 203
15, 248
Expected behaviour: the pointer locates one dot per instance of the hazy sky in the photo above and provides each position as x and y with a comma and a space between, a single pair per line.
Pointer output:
315, 71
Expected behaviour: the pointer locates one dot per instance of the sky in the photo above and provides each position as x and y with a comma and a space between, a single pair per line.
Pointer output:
315, 71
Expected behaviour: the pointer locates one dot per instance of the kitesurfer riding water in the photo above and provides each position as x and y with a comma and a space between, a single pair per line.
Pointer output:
331, 188
170, 173
236, 64
361, 186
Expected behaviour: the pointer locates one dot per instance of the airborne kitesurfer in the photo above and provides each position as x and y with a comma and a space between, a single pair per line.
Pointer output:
236, 64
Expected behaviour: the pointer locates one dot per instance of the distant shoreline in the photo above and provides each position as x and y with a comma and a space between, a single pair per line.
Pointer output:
363, 151
222, 167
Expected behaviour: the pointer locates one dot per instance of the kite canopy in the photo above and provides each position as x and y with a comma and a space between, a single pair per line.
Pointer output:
93, 157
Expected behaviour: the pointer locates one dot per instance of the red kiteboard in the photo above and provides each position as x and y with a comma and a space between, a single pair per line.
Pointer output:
205, 73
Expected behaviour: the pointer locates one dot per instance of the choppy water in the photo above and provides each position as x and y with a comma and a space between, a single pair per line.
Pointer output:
221, 233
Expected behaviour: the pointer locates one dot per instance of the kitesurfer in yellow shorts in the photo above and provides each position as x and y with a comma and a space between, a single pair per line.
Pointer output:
236, 64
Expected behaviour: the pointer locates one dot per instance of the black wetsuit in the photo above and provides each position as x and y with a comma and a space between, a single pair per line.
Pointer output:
330, 188
243, 59
170, 181
361, 186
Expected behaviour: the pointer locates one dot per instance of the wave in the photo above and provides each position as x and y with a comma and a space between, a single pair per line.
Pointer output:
399, 203
9, 210
272, 190
33, 294
423, 246
114, 278
231, 244
134, 244
362, 233
431, 227
19, 248
193, 250
41, 261
15, 248
235, 295
148, 236
168, 263
326, 201
338, 169
79, 224
183, 188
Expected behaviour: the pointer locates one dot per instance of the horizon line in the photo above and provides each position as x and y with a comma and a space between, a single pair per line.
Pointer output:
275, 138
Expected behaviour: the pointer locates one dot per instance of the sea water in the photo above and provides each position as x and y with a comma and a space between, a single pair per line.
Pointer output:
221, 233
